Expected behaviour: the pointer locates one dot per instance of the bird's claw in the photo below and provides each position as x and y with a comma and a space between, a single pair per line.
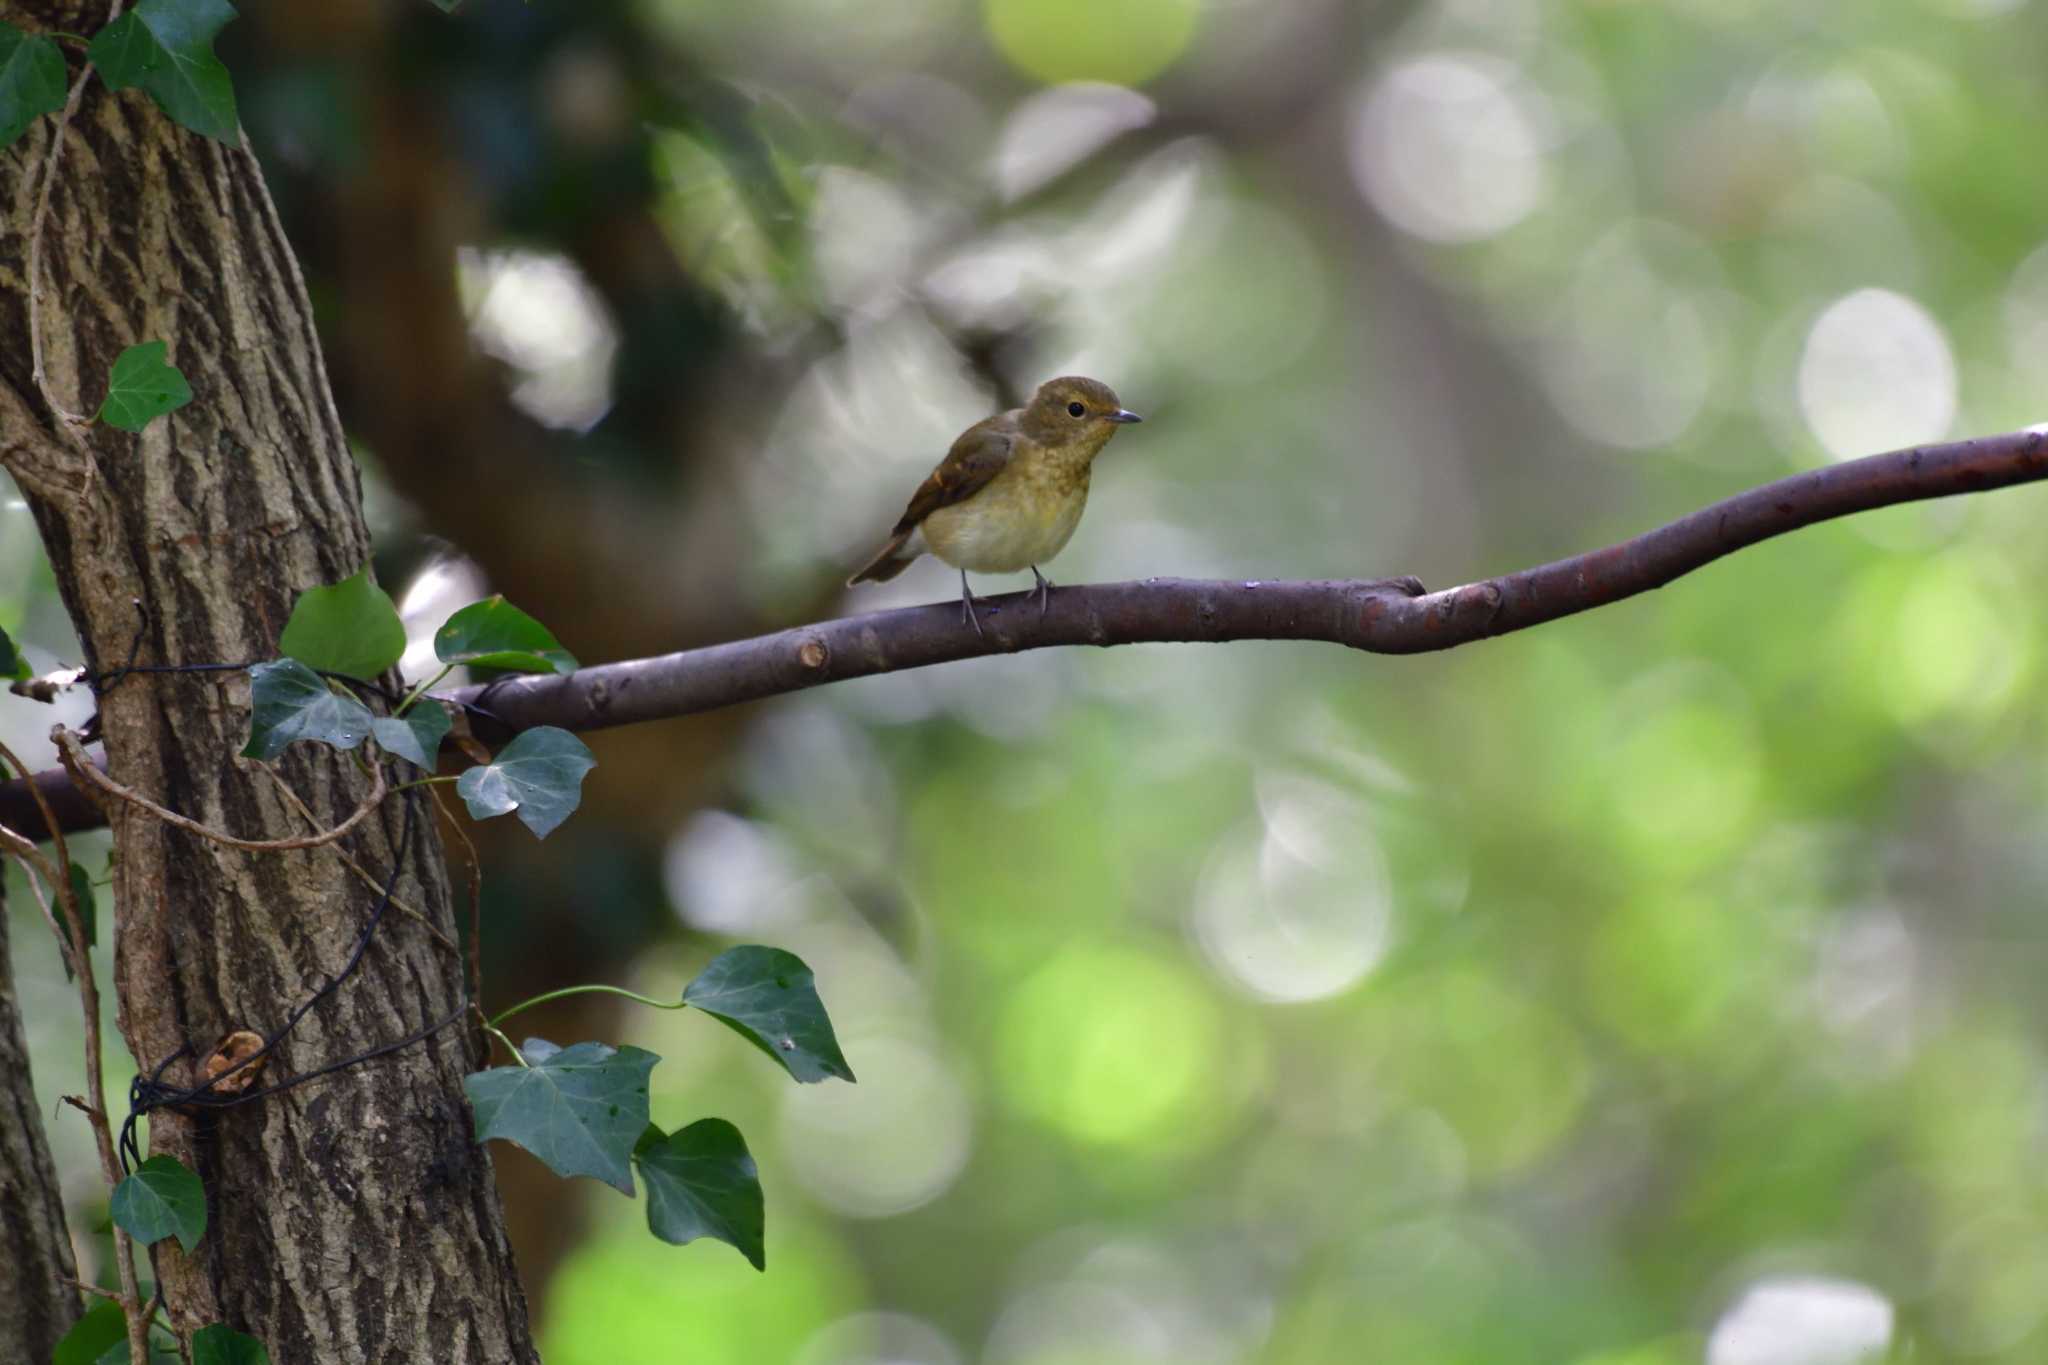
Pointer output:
1043, 592
967, 612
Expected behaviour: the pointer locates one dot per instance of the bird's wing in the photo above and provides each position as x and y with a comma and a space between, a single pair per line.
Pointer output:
978, 456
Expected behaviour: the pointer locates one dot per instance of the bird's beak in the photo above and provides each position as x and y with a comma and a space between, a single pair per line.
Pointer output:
1123, 415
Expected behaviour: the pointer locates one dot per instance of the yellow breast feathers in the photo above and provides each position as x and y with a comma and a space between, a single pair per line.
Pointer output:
1024, 517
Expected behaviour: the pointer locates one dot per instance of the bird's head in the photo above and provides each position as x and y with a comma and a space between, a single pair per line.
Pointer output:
1072, 411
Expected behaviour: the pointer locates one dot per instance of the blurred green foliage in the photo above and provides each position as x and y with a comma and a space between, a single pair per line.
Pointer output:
1658, 986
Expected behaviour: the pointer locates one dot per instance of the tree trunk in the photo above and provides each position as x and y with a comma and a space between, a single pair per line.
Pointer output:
36, 1306
353, 1218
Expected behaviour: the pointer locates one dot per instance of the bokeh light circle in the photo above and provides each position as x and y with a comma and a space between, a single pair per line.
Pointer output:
1954, 649
1114, 1046
1684, 773
1121, 42
539, 313
1991, 1284
1877, 373
1503, 1069
1802, 1320
1663, 971
2026, 319
624, 1298
1445, 149
1298, 907
1633, 351
876, 1338
896, 1140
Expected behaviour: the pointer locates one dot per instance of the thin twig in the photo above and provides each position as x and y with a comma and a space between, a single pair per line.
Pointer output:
80, 765
95, 1080
88, 1287
43, 808
58, 843
21, 849
293, 799
476, 896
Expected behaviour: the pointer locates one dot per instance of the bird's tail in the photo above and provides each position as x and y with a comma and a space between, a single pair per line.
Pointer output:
891, 560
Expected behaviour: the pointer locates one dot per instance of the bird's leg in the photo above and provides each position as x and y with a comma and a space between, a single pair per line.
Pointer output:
967, 612
1043, 591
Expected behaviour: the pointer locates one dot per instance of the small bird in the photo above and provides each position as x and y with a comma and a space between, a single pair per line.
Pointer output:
1010, 491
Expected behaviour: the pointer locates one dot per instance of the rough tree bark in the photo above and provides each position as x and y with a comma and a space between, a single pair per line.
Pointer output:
36, 1305
353, 1219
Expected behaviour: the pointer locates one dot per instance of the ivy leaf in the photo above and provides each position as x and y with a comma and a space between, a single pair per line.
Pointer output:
88, 911
33, 80
98, 1338
81, 889
142, 388
166, 47
350, 628
161, 1199
495, 634
415, 736
12, 664
220, 1344
580, 1109
539, 774
289, 701
701, 1182
769, 997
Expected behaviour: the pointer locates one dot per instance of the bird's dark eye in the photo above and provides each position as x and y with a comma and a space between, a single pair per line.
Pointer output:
1076, 410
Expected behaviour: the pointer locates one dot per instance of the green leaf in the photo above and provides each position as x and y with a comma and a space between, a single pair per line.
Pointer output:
223, 1345
33, 80
161, 1199
289, 701
415, 736
12, 664
350, 628
701, 1182
166, 47
81, 890
88, 910
98, 1338
446, 6
580, 1109
769, 998
143, 388
495, 634
539, 774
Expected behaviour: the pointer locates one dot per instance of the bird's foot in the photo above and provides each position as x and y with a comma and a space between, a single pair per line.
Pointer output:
1043, 592
1407, 585
967, 611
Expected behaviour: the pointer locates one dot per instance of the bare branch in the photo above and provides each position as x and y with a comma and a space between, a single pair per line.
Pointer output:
1380, 616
